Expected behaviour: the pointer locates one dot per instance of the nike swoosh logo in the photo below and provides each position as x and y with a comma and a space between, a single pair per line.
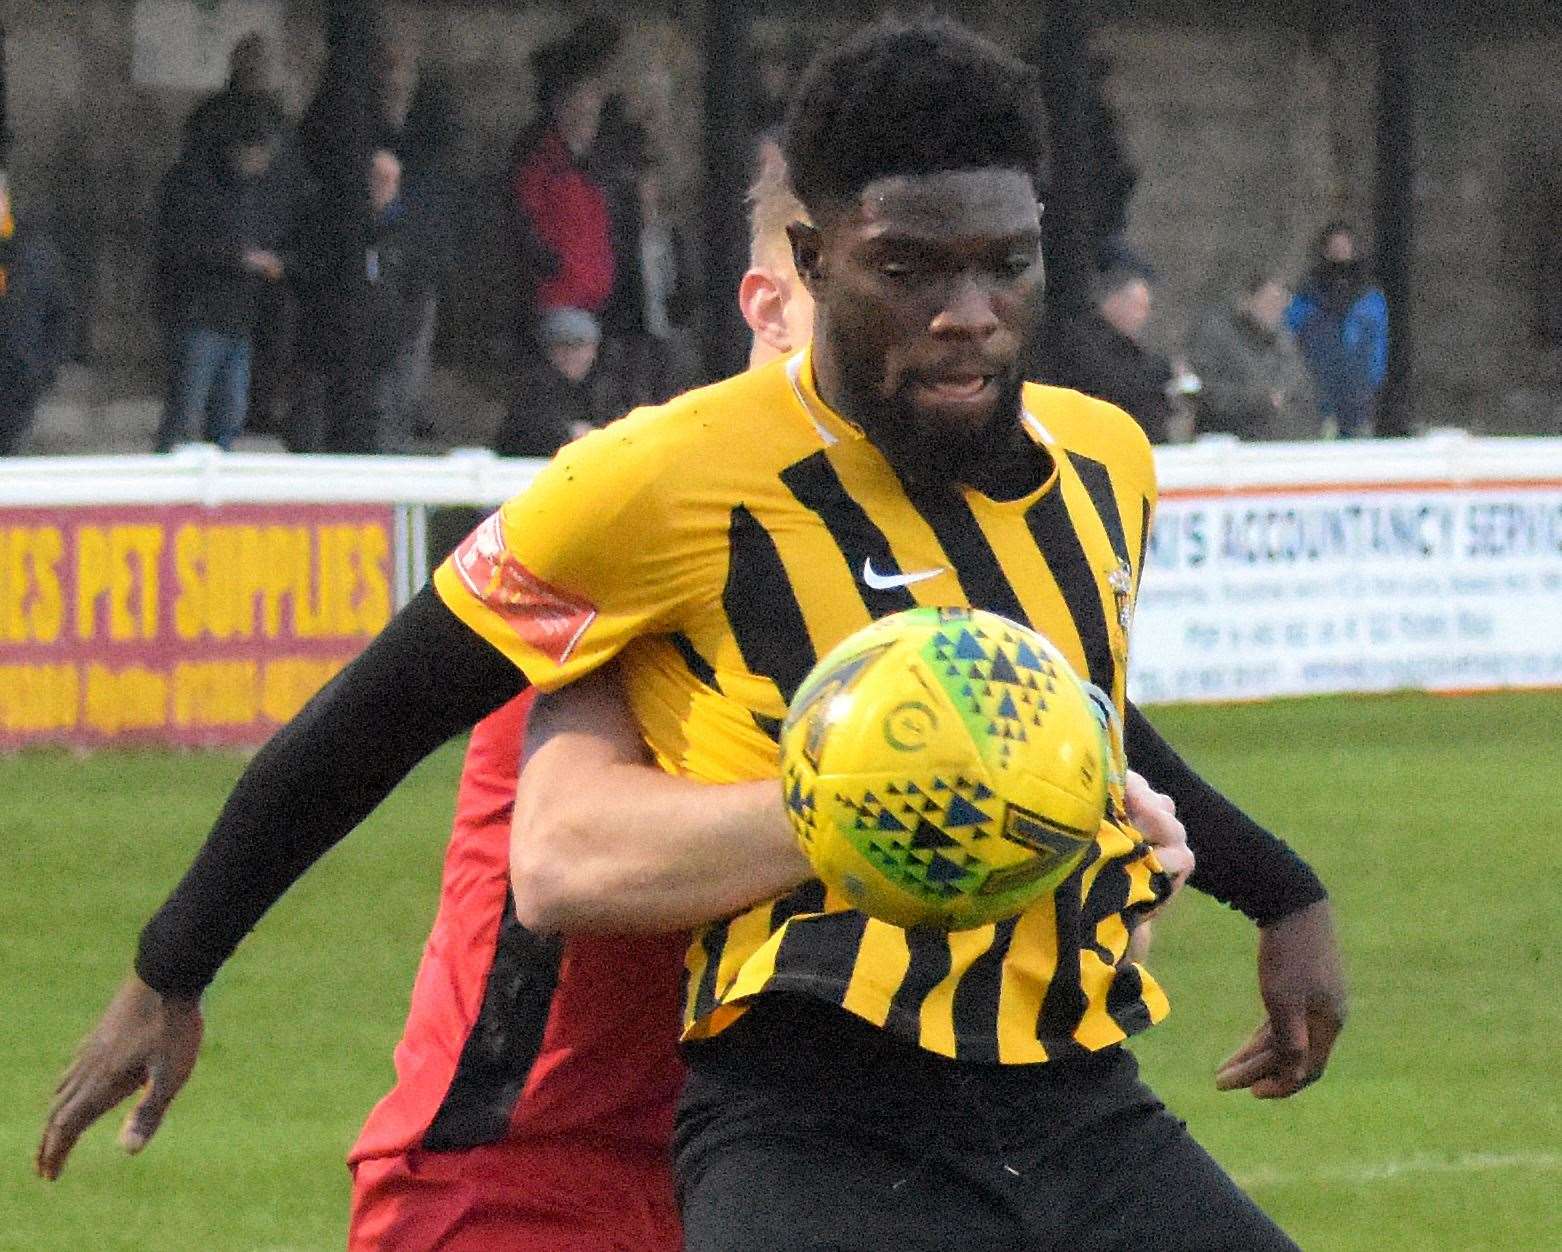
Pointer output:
887, 582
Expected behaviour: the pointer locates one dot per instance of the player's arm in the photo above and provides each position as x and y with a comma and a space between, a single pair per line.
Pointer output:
1239, 862
1245, 866
424, 679
603, 840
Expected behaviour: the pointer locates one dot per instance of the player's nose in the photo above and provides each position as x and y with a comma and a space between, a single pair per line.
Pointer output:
967, 312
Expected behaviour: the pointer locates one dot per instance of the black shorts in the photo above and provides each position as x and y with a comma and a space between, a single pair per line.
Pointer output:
802, 1127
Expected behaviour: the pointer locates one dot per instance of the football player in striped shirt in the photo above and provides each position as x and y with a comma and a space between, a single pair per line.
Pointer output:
853, 1084
522, 1049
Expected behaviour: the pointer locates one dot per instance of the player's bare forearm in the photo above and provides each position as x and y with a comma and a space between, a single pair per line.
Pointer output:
603, 840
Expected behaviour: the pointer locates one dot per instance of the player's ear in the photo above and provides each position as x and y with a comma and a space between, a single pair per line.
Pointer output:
763, 302
807, 248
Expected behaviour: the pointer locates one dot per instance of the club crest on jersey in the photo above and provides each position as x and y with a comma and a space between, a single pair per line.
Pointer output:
1121, 582
543, 616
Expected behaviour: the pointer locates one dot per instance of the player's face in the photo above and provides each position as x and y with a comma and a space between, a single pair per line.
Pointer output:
926, 290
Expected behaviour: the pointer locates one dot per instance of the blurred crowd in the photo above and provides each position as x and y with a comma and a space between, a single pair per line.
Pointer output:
249, 281
1263, 362
251, 277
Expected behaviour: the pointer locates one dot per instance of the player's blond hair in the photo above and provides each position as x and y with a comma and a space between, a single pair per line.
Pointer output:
772, 207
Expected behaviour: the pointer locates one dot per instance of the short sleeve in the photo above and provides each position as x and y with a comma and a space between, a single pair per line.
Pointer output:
583, 561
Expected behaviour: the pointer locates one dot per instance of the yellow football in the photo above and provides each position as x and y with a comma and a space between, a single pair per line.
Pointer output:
944, 767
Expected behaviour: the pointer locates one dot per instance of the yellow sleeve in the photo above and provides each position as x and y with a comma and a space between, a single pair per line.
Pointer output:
576, 566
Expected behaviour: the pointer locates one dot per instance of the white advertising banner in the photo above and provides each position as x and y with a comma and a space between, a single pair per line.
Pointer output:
1266, 591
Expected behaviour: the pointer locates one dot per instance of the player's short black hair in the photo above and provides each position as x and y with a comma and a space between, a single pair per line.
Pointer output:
910, 98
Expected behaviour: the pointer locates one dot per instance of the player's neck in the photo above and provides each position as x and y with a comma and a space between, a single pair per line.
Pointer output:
1009, 465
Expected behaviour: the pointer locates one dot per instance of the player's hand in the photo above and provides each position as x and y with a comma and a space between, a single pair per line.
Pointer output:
144, 1040
1155, 817
1300, 979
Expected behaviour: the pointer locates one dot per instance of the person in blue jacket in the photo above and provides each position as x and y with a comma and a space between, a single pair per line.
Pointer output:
1340, 319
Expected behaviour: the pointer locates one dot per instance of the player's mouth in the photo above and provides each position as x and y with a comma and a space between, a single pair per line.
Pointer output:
956, 389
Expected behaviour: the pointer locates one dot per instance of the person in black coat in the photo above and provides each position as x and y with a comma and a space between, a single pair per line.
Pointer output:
249, 86
220, 227
1100, 352
36, 313
401, 268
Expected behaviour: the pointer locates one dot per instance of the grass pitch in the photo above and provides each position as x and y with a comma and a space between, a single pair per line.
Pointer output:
1439, 1127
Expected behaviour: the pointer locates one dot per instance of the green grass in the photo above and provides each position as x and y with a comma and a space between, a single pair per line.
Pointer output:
1437, 1127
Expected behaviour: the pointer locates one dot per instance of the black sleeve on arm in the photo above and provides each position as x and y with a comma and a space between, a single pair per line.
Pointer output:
1236, 860
425, 678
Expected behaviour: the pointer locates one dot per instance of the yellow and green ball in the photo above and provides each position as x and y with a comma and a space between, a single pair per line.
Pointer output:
944, 767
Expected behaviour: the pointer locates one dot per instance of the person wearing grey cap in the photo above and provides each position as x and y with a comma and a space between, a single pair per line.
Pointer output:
555, 397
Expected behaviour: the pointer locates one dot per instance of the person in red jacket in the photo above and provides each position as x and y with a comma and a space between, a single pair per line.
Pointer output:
561, 209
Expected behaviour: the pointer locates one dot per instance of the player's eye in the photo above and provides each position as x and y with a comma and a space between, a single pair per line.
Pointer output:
1017, 265
897, 269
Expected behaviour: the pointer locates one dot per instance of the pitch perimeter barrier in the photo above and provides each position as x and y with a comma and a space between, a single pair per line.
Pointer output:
200, 598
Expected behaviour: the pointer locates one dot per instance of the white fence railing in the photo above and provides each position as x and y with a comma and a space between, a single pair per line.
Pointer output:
202, 475
1275, 569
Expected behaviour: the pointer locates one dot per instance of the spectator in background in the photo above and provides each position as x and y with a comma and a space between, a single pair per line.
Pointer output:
1102, 353
428, 137
1253, 383
401, 267
1340, 319
415, 118
36, 314
645, 352
220, 228
251, 86
323, 138
562, 222
555, 399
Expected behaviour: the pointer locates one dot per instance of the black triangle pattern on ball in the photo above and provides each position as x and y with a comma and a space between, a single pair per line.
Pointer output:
930, 836
942, 870
963, 813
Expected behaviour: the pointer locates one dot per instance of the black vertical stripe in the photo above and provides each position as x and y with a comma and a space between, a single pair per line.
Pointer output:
1098, 485
1108, 895
1065, 1002
976, 999
821, 949
1125, 1001
762, 608
809, 898
818, 488
975, 563
931, 959
711, 941
1144, 540
705, 673
504, 1041
1053, 530
702, 669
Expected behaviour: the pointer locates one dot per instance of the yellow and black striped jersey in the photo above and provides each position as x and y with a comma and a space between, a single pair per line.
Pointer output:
720, 544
